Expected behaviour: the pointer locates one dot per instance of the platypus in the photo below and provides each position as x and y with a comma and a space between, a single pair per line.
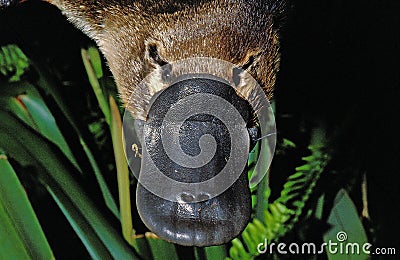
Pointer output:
144, 43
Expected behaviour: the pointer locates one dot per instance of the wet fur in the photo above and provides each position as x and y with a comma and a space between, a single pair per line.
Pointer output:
235, 31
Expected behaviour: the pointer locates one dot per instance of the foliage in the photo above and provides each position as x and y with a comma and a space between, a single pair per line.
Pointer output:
25, 238
64, 152
283, 213
13, 62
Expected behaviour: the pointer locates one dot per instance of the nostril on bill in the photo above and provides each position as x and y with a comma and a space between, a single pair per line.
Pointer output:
187, 197
203, 196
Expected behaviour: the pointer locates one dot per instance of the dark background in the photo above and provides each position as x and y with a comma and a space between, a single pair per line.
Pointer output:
340, 67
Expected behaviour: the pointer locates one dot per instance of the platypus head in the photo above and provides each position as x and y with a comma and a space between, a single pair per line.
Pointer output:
189, 72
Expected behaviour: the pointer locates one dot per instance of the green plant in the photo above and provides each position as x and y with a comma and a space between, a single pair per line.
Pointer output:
31, 136
282, 214
73, 159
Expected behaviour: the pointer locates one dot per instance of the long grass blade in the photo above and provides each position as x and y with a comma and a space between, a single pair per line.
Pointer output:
59, 168
85, 232
94, 82
122, 173
108, 198
46, 124
18, 215
161, 249
92, 62
216, 252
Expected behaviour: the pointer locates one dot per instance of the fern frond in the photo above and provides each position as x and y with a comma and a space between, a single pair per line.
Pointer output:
283, 213
13, 62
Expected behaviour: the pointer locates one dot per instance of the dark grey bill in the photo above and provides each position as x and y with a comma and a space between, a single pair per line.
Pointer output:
195, 216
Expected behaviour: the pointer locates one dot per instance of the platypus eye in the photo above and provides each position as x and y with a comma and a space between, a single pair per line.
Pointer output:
238, 70
157, 59
249, 61
152, 50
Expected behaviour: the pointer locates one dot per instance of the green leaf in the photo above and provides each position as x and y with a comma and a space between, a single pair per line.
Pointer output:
210, 253
253, 155
95, 61
122, 174
58, 168
215, 252
13, 62
281, 215
108, 198
85, 232
345, 222
241, 251
161, 249
142, 247
46, 124
33, 111
94, 82
250, 241
20, 232
263, 193
17, 107
319, 210
11, 244
288, 144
